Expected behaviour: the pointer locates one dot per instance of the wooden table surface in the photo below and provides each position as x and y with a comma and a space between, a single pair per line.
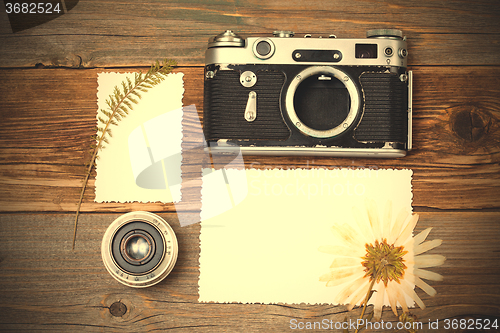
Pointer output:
48, 84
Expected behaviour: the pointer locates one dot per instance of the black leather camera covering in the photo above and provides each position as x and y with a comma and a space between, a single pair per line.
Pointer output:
383, 114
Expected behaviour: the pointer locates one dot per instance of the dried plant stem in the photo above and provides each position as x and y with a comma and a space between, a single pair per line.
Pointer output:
93, 159
84, 186
368, 294
119, 104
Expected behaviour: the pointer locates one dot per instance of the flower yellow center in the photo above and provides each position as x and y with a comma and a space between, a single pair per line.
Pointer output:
384, 262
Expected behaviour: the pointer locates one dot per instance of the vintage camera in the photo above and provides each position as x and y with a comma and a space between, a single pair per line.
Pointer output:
283, 95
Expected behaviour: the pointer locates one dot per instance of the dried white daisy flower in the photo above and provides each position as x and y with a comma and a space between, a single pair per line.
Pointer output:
381, 254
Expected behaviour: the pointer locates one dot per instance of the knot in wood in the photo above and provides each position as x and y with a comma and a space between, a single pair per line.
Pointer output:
118, 309
470, 124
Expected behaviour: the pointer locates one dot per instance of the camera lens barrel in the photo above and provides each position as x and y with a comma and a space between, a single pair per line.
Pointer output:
139, 249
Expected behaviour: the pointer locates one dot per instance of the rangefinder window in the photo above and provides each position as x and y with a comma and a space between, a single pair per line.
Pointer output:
366, 51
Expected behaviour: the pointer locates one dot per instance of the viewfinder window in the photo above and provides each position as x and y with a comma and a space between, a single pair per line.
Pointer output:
367, 51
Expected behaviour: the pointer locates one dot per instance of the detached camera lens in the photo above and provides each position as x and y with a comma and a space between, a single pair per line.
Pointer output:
139, 249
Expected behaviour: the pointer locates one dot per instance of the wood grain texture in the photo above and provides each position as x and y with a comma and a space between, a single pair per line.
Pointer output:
45, 135
46, 286
132, 33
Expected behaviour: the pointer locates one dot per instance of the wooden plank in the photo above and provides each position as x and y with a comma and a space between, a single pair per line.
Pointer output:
133, 33
48, 117
46, 286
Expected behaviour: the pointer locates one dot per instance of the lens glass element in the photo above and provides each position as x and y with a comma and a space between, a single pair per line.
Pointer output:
137, 248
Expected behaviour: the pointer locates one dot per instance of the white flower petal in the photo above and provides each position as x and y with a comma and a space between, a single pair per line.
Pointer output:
408, 275
338, 282
408, 246
347, 234
429, 260
363, 225
379, 302
339, 273
373, 217
398, 225
400, 297
426, 246
407, 230
410, 292
359, 296
391, 295
425, 287
346, 294
387, 220
428, 275
422, 236
346, 262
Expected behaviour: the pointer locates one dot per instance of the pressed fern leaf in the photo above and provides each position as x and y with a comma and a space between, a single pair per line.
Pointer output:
119, 104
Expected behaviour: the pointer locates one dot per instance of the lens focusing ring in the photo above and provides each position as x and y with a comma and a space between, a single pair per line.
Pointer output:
139, 249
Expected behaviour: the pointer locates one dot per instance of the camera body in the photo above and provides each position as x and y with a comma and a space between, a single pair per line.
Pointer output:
283, 95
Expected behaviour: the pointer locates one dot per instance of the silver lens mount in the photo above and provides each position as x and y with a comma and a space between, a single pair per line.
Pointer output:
324, 72
139, 249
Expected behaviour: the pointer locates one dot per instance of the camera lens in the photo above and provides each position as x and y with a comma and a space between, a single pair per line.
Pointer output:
139, 249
